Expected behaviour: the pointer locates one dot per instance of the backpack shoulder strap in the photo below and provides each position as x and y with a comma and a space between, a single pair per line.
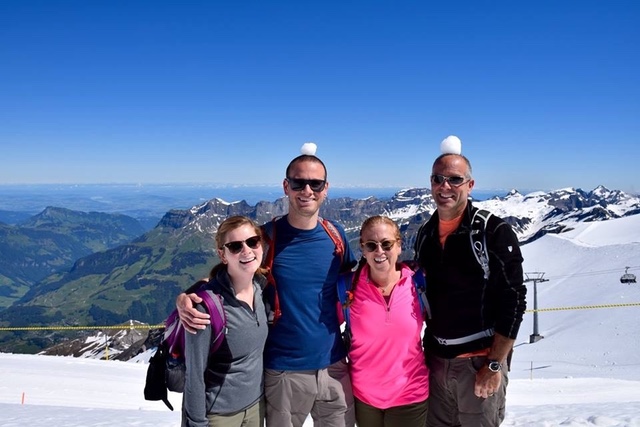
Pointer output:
174, 330
478, 238
335, 236
269, 234
213, 305
420, 284
420, 236
345, 296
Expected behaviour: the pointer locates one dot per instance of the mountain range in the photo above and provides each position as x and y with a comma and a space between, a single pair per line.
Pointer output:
140, 278
52, 241
583, 372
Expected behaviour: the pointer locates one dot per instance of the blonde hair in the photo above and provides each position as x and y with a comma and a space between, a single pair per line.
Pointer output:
379, 219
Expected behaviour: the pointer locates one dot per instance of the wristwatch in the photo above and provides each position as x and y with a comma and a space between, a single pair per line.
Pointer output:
494, 365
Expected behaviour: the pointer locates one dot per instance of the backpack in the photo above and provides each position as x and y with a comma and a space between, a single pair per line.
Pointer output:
272, 302
345, 296
166, 371
477, 239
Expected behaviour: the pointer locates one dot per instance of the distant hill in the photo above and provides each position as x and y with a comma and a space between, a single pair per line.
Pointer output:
52, 241
140, 280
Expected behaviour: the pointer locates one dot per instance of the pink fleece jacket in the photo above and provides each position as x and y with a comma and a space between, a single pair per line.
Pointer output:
387, 363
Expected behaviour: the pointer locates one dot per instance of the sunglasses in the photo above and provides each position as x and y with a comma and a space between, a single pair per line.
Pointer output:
454, 181
235, 247
316, 185
372, 246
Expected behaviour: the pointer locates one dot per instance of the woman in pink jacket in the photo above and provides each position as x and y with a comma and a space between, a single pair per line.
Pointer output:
388, 372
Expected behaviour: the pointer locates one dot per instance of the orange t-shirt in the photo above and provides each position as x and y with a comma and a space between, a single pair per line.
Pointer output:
446, 227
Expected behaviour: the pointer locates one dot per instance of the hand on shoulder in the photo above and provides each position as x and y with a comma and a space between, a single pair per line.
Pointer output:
191, 318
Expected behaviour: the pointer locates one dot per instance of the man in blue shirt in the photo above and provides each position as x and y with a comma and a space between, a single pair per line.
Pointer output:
305, 368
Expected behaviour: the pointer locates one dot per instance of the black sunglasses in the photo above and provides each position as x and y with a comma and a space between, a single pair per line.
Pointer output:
372, 246
235, 247
316, 185
452, 180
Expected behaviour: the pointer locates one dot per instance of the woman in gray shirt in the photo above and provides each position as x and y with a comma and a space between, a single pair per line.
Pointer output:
225, 389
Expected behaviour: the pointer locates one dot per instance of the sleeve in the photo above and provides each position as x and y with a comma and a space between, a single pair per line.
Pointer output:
506, 273
194, 408
196, 286
418, 242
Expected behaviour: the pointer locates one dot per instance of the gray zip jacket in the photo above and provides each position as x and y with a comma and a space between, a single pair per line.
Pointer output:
231, 379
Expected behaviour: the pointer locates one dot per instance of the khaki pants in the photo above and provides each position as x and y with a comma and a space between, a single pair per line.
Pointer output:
452, 401
325, 394
250, 417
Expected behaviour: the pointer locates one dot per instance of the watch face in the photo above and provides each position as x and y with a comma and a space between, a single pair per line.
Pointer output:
494, 366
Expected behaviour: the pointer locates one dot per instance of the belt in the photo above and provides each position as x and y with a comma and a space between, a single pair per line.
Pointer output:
463, 340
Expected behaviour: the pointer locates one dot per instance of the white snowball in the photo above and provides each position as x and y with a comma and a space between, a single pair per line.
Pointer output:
451, 145
309, 148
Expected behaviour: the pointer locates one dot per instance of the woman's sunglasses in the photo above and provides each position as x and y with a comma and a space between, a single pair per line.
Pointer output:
316, 185
372, 246
235, 247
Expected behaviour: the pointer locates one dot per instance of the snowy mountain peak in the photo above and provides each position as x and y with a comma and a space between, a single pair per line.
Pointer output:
539, 213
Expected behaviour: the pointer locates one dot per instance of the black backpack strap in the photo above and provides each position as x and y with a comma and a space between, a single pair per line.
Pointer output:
420, 236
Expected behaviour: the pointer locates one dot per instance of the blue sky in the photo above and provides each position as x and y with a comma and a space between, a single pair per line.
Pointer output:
543, 94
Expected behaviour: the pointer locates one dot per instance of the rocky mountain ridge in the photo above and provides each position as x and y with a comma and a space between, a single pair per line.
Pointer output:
140, 280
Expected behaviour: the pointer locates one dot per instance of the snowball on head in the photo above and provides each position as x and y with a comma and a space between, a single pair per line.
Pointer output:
451, 145
309, 148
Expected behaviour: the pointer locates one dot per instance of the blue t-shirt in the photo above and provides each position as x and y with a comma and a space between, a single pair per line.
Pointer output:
305, 268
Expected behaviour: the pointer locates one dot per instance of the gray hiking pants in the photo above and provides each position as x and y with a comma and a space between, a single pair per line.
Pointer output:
452, 401
325, 394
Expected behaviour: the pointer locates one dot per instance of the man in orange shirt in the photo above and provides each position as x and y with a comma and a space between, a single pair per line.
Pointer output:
475, 319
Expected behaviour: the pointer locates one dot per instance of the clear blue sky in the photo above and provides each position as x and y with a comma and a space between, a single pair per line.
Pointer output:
543, 94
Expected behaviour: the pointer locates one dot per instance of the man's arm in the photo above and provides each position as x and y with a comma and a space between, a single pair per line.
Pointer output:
487, 382
507, 278
191, 318
511, 303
